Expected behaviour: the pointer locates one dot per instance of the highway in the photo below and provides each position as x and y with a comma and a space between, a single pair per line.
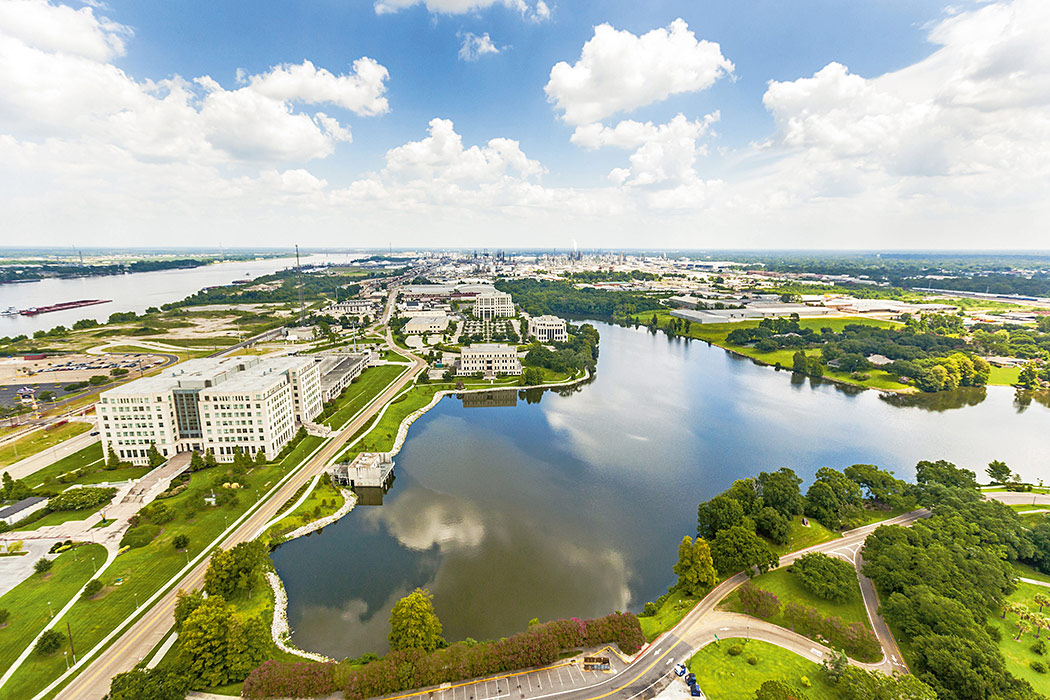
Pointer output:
143, 635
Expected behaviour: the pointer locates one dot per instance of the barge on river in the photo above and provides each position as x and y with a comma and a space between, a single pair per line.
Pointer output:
34, 310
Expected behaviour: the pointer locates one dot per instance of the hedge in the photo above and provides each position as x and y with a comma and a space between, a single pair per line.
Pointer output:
140, 536
414, 668
79, 498
853, 638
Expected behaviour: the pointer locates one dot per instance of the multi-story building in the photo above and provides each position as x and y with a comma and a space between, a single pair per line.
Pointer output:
427, 324
211, 404
493, 305
548, 329
490, 359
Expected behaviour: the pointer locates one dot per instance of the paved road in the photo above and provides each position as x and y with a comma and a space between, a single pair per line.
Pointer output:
33, 463
1014, 498
151, 628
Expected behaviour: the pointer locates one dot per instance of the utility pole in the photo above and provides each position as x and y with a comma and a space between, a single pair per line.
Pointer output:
299, 276
72, 651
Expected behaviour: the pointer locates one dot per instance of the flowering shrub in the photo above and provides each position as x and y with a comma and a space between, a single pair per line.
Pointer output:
758, 602
295, 680
853, 638
413, 668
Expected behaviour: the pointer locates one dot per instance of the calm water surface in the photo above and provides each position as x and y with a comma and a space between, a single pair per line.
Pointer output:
575, 504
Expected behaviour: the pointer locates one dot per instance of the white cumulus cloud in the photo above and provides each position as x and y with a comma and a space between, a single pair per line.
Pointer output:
619, 71
474, 46
57, 80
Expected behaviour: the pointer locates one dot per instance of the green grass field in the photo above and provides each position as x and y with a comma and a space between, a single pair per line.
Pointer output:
1004, 376
87, 457
39, 441
138, 573
366, 387
787, 588
670, 614
716, 334
725, 677
28, 601
870, 516
802, 536
323, 500
1018, 653
1028, 572
58, 517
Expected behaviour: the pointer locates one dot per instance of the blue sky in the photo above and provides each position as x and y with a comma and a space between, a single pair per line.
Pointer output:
900, 118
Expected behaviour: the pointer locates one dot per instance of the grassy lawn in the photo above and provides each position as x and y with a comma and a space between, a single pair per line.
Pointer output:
670, 614
28, 601
89, 456
1028, 572
804, 536
725, 677
783, 583
363, 389
1018, 653
870, 516
39, 441
138, 573
57, 518
381, 437
324, 500
1004, 376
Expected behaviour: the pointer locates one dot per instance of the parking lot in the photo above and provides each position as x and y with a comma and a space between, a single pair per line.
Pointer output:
529, 684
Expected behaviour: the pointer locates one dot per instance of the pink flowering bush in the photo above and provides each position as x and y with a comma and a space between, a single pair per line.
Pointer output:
413, 668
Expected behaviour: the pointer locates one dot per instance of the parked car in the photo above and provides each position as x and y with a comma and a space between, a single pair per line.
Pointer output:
691, 679
695, 691
679, 670
93, 433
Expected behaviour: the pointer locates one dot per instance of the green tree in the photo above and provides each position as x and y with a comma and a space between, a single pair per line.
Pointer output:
49, 642
780, 490
209, 458
719, 513
827, 577
91, 589
180, 541
998, 472
414, 624
154, 456
532, 376
798, 362
695, 568
944, 473
880, 486
747, 493
236, 569
196, 462
859, 684
204, 643
1029, 376
773, 525
112, 461
185, 604
832, 498
738, 548
777, 690
43, 565
149, 684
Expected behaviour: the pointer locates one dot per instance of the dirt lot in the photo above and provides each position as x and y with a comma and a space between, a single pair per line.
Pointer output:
63, 369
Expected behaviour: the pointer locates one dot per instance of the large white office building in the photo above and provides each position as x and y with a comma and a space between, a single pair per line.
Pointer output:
490, 359
548, 329
493, 305
217, 404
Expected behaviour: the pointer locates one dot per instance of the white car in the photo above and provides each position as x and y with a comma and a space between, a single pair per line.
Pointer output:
679, 670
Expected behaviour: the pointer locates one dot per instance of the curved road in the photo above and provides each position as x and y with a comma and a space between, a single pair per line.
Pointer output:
153, 626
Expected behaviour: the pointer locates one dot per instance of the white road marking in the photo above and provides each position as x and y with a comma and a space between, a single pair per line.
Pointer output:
668, 661
817, 652
722, 629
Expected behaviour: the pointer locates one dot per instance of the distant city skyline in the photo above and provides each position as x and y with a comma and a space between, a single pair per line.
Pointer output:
515, 124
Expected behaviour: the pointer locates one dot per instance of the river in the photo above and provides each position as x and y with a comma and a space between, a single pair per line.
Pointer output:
574, 505
132, 292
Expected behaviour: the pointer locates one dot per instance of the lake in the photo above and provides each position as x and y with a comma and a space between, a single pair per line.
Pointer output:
133, 292
574, 504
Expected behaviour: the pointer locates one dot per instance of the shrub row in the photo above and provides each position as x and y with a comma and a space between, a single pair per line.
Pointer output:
853, 638
414, 668
78, 498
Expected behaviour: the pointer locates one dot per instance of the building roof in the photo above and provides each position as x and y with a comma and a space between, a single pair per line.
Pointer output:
238, 373
490, 347
16, 508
